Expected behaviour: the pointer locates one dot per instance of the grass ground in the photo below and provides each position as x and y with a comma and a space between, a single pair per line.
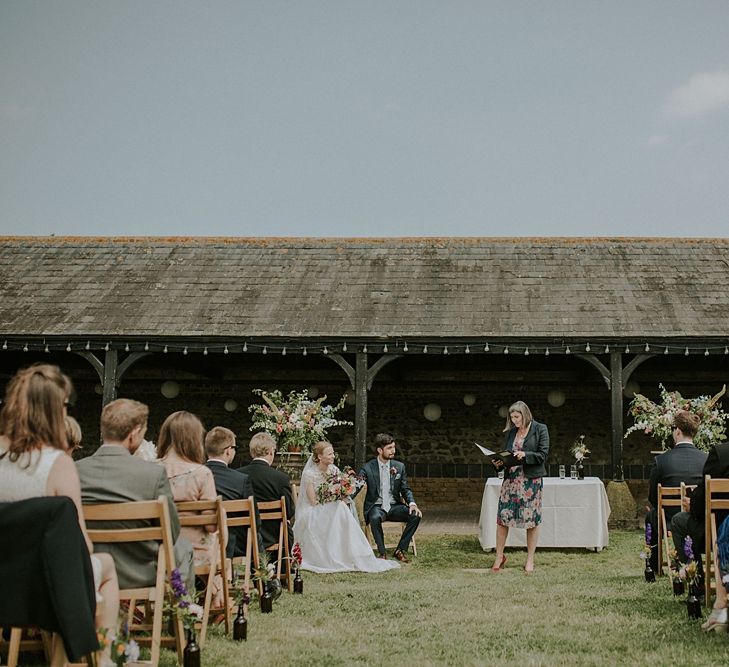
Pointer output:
579, 608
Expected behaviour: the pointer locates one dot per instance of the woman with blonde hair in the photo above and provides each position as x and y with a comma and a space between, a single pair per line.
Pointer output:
181, 451
520, 501
35, 461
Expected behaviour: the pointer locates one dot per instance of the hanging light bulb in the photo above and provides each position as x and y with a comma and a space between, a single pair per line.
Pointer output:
364, 349
467, 350
607, 349
245, 346
726, 350
185, 350
445, 350
706, 352
265, 350
225, 350
425, 349
506, 350
46, 350
165, 350
205, 351
146, 347
25, 347
344, 347
384, 349
283, 352
5, 345
126, 347
647, 347
666, 350
546, 352
68, 347
326, 351
526, 351
88, 345
587, 347
627, 350
486, 347
304, 353
106, 347
405, 347
686, 352
568, 351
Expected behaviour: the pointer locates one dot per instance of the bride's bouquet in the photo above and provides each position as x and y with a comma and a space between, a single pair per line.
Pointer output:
337, 485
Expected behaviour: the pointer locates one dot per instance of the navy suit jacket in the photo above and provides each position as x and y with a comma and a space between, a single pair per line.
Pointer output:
683, 463
536, 447
234, 485
398, 483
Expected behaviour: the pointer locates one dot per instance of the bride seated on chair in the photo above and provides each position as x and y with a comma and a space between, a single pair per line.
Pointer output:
329, 533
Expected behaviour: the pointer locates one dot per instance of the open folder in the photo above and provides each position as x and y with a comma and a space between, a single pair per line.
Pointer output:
501, 459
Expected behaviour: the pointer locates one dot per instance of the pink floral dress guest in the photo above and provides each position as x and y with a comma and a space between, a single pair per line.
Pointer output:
193, 481
520, 502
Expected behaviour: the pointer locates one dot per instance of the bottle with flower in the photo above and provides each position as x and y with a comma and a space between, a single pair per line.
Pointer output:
690, 573
646, 552
183, 605
580, 451
242, 599
296, 560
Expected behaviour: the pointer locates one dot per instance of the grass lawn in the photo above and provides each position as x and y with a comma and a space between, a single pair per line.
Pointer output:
579, 608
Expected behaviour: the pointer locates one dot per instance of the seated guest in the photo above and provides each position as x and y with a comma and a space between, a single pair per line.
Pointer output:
230, 484
180, 448
682, 463
113, 475
73, 433
35, 461
269, 484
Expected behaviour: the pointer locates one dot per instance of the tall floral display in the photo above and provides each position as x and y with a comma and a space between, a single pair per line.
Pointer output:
296, 421
656, 419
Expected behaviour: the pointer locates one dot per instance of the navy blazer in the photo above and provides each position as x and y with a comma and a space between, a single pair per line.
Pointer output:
536, 447
682, 463
398, 483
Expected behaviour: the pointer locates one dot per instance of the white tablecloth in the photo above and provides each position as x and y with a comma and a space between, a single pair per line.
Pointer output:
574, 514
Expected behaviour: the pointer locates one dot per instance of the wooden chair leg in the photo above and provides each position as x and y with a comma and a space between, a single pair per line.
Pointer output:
14, 646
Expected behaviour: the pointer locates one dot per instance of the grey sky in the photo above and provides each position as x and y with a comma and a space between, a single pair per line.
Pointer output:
368, 118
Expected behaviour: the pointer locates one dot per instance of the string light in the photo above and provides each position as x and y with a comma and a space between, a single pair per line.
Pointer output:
88, 345
686, 352
706, 352
647, 347
283, 352
165, 350
5, 345
486, 347
726, 350
587, 347
146, 347
467, 350
627, 350
384, 349
546, 352
205, 351
364, 349
25, 347
126, 347
245, 346
106, 347
666, 350
607, 349
226, 351
506, 350
568, 351
526, 351
445, 350
265, 350
46, 350
425, 349
304, 352
327, 351
68, 347
344, 347
185, 350
405, 347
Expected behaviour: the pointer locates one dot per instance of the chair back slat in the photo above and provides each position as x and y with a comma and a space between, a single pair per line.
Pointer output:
716, 498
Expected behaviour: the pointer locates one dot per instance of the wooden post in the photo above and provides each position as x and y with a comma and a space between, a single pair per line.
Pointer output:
111, 359
616, 408
360, 410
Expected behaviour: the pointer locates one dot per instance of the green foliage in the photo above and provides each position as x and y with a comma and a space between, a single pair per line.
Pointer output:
579, 608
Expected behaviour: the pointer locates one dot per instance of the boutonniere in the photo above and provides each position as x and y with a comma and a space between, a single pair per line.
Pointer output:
393, 470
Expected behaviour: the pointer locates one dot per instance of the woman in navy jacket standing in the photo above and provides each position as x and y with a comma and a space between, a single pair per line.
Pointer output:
520, 502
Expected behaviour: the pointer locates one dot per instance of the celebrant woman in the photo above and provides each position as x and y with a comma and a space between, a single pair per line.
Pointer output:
520, 501
326, 526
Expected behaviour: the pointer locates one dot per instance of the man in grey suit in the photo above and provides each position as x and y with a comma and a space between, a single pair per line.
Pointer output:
389, 498
113, 475
683, 463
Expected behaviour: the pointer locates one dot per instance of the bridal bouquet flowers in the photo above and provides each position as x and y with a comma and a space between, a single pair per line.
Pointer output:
296, 421
656, 419
337, 485
579, 449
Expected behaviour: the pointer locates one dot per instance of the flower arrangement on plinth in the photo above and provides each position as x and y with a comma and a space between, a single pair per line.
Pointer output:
297, 421
181, 603
656, 419
579, 449
122, 649
337, 485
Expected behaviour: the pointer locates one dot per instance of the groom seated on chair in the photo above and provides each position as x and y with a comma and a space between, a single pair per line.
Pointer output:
389, 498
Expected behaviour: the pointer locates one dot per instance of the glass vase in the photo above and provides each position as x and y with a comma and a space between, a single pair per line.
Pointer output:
648, 573
298, 583
191, 654
580, 471
240, 625
266, 600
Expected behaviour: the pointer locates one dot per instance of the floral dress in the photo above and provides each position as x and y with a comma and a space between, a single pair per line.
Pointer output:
520, 502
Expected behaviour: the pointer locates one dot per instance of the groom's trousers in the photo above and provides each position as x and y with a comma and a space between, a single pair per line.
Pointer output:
398, 512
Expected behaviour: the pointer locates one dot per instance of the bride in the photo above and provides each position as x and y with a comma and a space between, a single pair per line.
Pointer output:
329, 535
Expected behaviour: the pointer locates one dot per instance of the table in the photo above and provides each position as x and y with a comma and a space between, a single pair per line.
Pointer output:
574, 514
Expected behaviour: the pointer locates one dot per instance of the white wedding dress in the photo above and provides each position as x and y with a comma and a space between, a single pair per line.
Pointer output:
329, 535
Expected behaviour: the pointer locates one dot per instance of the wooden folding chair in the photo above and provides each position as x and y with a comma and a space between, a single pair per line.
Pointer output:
242, 514
147, 513
668, 496
199, 514
717, 498
275, 510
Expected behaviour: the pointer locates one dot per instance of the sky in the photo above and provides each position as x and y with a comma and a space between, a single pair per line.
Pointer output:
366, 118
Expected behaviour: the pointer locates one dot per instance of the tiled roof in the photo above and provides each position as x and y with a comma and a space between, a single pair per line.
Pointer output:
431, 288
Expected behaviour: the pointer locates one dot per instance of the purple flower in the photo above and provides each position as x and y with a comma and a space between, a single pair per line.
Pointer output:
177, 584
688, 547
648, 532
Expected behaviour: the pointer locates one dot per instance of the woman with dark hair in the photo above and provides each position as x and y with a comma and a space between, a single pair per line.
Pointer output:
35, 460
520, 502
181, 452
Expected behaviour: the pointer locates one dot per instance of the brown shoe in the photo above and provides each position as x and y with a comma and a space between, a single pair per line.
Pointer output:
399, 555
383, 556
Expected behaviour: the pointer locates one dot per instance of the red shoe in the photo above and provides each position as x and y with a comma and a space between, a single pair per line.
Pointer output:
498, 566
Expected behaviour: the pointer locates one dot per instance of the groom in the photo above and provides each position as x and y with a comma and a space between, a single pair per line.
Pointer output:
387, 495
